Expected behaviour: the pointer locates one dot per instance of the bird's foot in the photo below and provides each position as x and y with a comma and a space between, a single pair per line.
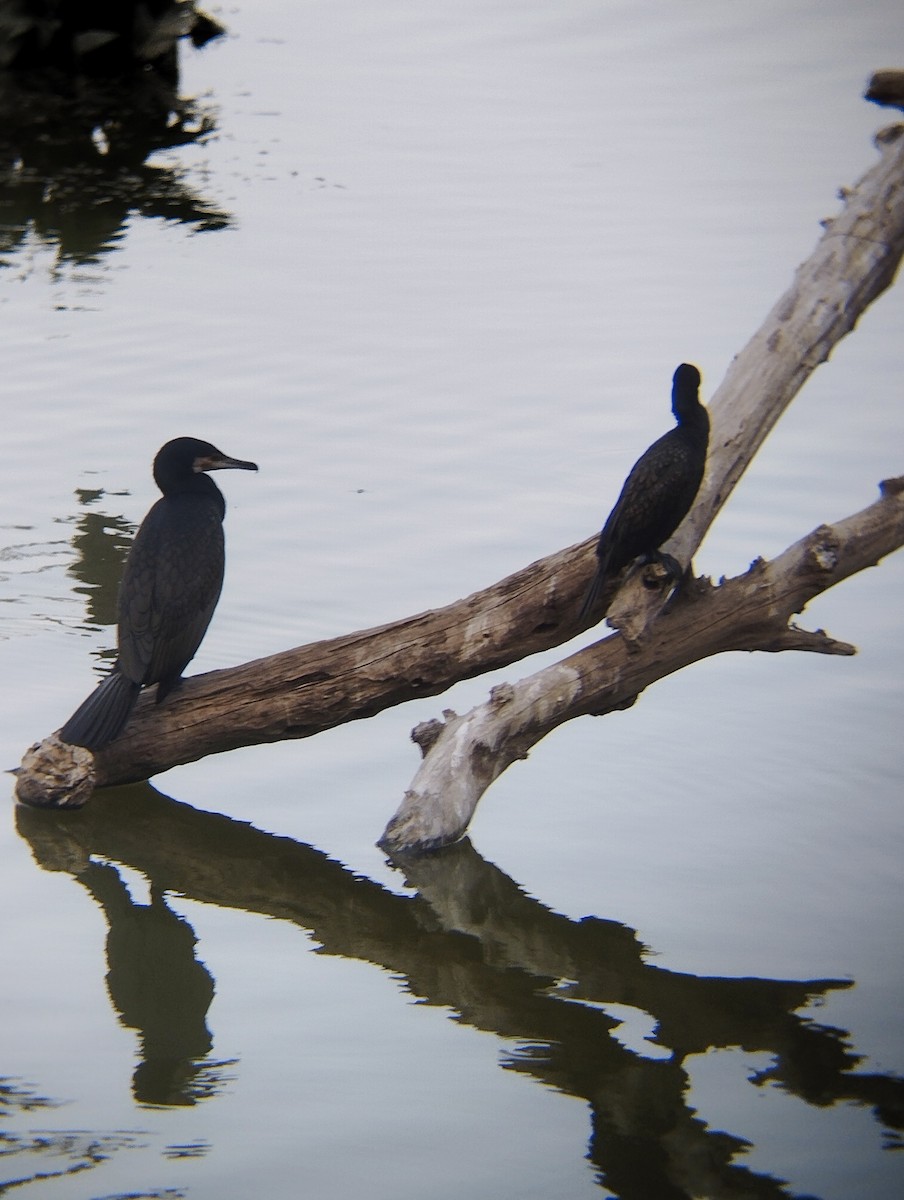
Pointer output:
672, 566
666, 569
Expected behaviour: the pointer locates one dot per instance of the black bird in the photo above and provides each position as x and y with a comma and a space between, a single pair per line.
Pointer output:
170, 587
659, 492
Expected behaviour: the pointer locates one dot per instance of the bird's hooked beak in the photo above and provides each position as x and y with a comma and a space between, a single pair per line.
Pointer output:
221, 462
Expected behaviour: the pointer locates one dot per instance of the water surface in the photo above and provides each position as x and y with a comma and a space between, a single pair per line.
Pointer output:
433, 270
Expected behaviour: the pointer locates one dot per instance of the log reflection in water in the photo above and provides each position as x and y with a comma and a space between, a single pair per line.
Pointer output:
471, 940
74, 163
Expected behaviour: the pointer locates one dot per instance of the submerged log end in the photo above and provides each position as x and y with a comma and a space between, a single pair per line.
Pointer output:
54, 774
419, 827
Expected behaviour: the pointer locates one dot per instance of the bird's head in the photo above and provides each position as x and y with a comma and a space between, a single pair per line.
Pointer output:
184, 457
685, 391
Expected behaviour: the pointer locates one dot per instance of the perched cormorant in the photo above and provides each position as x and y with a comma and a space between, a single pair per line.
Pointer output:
660, 490
170, 587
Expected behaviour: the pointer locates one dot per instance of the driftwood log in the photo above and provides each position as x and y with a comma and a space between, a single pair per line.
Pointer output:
303, 691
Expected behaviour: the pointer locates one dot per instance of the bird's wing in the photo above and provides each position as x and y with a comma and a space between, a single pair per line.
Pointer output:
170, 589
652, 502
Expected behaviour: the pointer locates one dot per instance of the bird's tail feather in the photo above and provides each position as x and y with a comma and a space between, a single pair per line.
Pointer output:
102, 717
593, 594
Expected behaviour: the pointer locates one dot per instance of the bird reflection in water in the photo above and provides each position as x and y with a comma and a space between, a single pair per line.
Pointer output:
101, 543
472, 941
158, 988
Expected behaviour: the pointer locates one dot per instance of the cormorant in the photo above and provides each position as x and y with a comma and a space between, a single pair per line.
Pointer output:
170, 587
658, 493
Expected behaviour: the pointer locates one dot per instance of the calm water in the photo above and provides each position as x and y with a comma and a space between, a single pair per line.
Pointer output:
432, 269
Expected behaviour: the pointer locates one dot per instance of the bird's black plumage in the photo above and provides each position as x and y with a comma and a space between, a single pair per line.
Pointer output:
170, 587
659, 491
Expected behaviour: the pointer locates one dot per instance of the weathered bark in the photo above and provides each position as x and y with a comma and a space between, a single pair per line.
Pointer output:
311, 688
463, 756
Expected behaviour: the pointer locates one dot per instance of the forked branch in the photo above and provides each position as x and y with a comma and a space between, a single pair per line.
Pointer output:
464, 755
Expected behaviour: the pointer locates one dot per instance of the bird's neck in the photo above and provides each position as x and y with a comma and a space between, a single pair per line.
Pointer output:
691, 415
197, 485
